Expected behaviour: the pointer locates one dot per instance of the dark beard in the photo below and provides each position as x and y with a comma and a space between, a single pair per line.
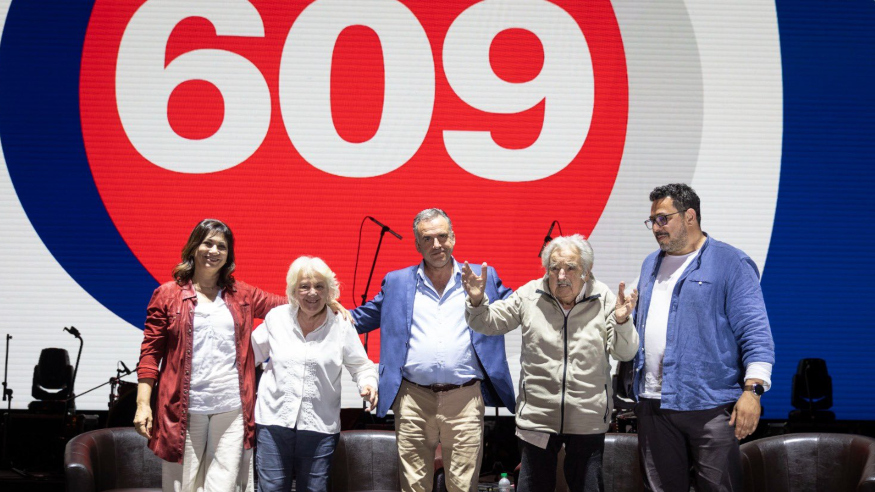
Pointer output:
675, 244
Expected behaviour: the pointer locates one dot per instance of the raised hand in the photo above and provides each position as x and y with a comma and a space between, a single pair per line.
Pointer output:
474, 284
625, 304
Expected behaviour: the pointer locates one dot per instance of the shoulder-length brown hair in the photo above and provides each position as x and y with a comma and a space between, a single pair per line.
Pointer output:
184, 271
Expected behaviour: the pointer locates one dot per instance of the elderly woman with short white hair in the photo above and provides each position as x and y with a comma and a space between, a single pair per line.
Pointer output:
297, 413
570, 324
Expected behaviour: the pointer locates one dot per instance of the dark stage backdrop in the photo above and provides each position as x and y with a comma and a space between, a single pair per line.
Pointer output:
124, 122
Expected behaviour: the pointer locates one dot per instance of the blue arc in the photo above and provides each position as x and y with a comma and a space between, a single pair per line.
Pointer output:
41, 133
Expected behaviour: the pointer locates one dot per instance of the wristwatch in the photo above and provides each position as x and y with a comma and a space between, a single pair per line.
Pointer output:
756, 388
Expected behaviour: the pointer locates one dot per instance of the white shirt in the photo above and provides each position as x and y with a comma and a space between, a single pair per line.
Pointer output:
670, 270
215, 385
440, 340
300, 387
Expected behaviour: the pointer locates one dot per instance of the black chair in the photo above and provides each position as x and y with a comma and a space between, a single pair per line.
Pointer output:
111, 459
809, 461
621, 383
812, 392
367, 461
621, 467
52, 382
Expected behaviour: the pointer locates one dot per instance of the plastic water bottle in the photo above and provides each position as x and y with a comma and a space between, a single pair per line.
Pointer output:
504, 483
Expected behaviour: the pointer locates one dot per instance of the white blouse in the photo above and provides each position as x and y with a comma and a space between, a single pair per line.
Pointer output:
300, 387
215, 385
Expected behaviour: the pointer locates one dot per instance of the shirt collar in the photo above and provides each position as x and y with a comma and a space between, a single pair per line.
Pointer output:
420, 271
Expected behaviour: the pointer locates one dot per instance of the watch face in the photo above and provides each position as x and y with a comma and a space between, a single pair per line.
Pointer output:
759, 389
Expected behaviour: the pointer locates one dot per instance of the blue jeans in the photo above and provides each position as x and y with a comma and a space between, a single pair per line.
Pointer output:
285, 454
583, 463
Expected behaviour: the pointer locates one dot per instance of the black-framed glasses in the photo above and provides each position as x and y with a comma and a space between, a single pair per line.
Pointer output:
660, 220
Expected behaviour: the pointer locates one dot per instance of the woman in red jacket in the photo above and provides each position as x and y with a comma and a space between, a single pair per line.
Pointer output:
200, 325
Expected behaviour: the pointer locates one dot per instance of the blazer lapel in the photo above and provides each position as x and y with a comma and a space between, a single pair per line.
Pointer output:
409, 297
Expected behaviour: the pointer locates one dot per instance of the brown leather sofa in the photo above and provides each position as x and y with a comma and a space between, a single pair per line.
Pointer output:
117, 458
621, 467
811, 461
367, 461
621, 471
111, 459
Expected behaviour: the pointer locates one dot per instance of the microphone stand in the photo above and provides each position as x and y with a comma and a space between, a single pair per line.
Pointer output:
549, 236
7, 397
119, 374
73, 331
383, 230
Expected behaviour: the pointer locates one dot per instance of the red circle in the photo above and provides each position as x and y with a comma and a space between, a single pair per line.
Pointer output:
516, 55
195, 109
280, 206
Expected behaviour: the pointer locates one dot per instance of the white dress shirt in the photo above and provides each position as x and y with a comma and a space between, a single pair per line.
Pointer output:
300, 387
440, 340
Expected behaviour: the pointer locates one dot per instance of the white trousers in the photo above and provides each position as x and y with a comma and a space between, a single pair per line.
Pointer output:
213, 459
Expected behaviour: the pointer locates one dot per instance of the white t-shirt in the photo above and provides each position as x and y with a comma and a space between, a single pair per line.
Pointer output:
215, 386
670, 270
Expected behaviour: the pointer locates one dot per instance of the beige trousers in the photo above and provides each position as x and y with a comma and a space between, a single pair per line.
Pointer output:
213, 459
452, 418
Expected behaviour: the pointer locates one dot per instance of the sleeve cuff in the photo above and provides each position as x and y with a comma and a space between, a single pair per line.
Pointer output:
472, 308
759, 370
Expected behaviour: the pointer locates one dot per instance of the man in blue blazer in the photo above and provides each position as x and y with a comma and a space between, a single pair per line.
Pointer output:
436, 374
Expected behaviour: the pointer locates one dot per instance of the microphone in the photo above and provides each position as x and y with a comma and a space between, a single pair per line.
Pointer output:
548, 238
73, 331
384, 226
126, 370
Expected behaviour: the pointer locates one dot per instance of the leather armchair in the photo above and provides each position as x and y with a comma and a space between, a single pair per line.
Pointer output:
809, 461
367, 461
111, 459
621, 470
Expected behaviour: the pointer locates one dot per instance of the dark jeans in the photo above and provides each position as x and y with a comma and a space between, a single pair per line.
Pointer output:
669, 440
583, 463
285, 454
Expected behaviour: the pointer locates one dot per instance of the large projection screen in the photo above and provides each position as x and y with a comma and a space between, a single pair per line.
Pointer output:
123, 123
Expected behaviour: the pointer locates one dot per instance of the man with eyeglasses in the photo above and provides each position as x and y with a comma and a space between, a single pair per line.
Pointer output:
706, 350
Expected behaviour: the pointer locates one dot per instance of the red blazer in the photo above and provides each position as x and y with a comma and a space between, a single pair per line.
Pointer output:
167, 337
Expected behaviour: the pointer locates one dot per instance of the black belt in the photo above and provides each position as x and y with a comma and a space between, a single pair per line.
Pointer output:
441, 387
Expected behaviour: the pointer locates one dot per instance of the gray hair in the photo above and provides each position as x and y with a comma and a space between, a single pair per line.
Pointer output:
429, 214
309, 265
574, 242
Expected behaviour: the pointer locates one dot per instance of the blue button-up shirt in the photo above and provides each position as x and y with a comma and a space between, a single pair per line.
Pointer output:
440, 340
717, 325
